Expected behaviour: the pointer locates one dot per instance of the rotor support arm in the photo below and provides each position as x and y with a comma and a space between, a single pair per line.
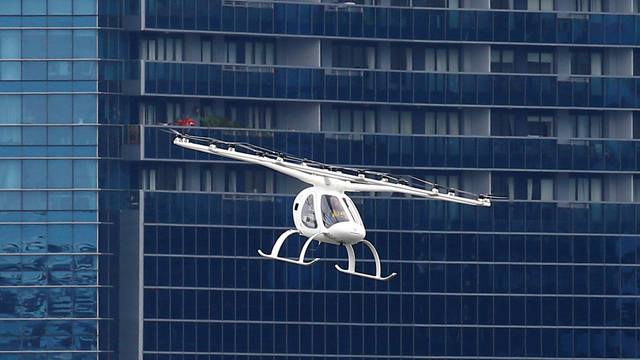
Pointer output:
273, 164
433, 194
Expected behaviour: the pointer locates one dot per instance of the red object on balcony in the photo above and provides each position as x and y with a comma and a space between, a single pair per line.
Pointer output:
186, 122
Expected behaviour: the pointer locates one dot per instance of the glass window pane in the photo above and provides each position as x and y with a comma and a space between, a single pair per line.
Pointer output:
84, 7
10, 174
10, 7
84, 70
10, 135
59, 174
84, 43
59, 135
59, 7
59, 109
84, 109
10, 70
59, 70
34, 44
59, 42
34, 7
10, 44
35, 109
84, 174
11, 106
34, 174
85, 135
34, 70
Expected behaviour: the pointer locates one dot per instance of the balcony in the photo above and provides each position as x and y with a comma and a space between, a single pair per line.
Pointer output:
418, 151
389, 87
398, 23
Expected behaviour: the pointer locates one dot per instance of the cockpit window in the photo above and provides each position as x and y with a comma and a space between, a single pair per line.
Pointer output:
332, 211
352, 210
308, 213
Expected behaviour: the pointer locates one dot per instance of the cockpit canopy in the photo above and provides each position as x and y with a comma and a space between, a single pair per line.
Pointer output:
333, 209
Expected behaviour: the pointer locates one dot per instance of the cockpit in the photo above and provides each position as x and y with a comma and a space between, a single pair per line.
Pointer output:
333, 210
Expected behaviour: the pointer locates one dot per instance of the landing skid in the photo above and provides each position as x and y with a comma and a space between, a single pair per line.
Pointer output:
351, 269
276, 250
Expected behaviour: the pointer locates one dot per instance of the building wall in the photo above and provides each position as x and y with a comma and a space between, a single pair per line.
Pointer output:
54, 287
549, 271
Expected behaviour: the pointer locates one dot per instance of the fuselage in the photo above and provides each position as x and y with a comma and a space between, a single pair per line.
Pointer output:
328, 215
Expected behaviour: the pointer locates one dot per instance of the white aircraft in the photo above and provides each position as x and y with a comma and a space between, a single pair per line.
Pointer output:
323, 212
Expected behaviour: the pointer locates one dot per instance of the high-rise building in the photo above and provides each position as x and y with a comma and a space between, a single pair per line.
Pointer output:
116, 244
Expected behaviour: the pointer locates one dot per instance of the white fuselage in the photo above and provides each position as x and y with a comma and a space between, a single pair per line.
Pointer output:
329, 215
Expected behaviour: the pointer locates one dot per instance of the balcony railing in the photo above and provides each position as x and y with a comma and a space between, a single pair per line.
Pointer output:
390, 87
418, 151
386, 22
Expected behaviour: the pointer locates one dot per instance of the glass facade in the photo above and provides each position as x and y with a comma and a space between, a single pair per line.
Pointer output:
115, 244
56, 229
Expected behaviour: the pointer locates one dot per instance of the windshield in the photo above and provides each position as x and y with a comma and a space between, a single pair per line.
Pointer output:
332, 210
352, 210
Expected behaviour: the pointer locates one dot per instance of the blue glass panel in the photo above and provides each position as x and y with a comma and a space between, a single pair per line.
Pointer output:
59, 42
10, 70
84, 7
10, 7
84, 44
34, 44
59, 7
10, 174
59, 109
84, 109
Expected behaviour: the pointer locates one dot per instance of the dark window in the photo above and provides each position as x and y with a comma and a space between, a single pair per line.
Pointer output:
454, 4
540, 62
540, 125
512, 123
534, 5
502, 60
586, 62
591, 5
519, 187
349, 55
588, 126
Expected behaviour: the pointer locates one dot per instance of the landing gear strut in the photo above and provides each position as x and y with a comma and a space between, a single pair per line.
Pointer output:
276, 249
351, 269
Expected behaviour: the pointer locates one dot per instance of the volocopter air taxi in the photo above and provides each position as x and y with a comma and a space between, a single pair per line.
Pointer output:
323, 212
